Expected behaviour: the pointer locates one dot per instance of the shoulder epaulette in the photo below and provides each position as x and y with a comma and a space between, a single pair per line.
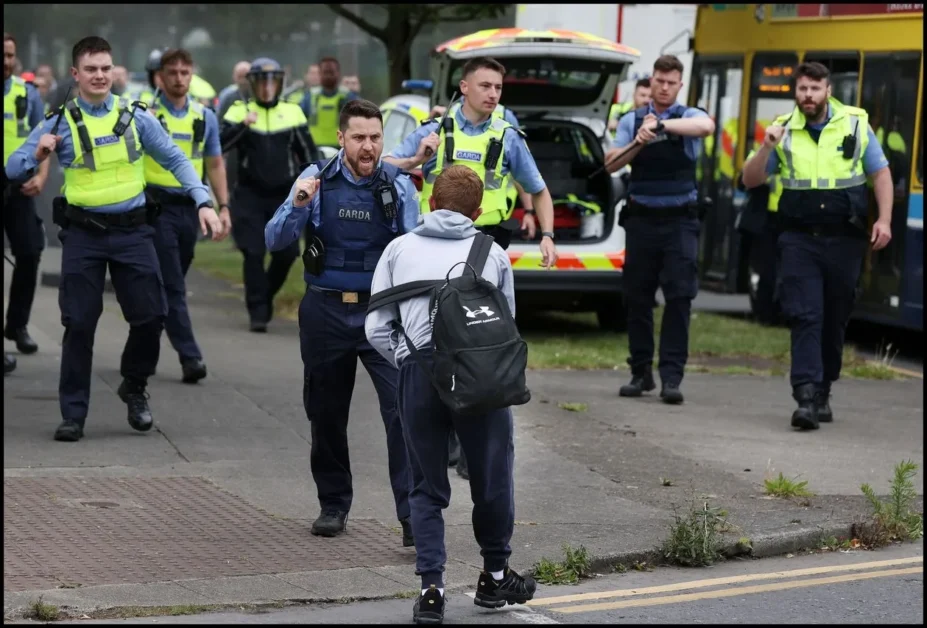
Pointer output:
53, 112
140, 103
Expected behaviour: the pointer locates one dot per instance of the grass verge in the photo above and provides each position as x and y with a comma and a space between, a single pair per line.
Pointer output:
717, 343
695, 538
42, 611
785, 488
892, 520
570, 570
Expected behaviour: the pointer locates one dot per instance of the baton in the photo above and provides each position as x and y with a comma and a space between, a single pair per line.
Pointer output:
301, 195
605, 166
54, 130
428, 151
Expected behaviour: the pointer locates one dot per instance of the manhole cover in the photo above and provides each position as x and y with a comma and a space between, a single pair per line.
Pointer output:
138, 530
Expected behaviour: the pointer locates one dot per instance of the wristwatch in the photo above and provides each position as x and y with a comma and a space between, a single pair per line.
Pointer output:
206, 204
530, 212
224, 206
547, 234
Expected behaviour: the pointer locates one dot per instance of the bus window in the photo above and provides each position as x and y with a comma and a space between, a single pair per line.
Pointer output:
844, 73
771, 94
889, 96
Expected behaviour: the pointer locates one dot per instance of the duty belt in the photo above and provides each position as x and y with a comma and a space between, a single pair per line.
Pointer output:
344, 297
99, 220
635, 209
167, 198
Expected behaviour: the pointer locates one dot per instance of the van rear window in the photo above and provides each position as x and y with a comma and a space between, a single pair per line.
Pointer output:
549, 81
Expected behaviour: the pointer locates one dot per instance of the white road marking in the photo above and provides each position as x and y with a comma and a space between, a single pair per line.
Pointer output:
522, 612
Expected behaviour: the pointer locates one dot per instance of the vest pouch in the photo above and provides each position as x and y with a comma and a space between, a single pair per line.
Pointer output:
314, 256
21, 107
335, 258
371, 258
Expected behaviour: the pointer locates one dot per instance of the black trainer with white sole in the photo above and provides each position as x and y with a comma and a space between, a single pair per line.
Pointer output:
429, 608
512, 589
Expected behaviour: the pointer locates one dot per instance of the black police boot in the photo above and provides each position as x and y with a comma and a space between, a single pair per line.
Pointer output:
24, 342
429, 608
462, 469
258, 326
9, 363
804, 417
69, 432
822, 404
407, 539
641, 382
330, 523
453, 449
193, 370
512, 589
135, 397
671, 394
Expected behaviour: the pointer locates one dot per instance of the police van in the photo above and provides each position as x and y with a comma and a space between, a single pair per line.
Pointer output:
560, 85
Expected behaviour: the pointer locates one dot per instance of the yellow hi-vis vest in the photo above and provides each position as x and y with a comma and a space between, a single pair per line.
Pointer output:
285, 116
323, 117
107, 168
183, 132
471, 152
619, 109
15, 129
805, 165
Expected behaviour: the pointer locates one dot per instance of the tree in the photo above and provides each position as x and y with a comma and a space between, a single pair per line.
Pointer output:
404, 22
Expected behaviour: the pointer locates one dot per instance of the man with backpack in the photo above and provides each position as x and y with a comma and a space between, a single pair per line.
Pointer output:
454, 316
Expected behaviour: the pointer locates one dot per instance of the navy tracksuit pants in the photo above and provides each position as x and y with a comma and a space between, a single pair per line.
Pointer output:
331, 339
488, 443
817, 283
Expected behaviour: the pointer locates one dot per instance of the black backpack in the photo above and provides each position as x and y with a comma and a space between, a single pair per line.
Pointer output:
479, 356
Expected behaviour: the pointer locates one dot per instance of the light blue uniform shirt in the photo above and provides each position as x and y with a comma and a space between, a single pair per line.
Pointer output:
516, 159
151, 139
211, 145
692, 145
306, 102
289, 223
873, 159
35, 108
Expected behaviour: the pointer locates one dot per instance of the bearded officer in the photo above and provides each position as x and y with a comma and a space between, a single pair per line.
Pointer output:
355, 208
106, 222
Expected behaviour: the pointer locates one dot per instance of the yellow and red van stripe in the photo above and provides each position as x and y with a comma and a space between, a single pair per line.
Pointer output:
531, 260
500, 36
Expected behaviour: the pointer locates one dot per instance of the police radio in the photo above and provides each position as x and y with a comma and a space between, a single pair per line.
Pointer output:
21, 107
448, 125
493, 153
199, 130
387, 201
849, 143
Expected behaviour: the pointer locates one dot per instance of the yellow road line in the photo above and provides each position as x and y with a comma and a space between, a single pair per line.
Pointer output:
738, 591
711, 582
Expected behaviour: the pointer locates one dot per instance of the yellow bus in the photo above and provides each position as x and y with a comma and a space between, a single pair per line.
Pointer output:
744, 57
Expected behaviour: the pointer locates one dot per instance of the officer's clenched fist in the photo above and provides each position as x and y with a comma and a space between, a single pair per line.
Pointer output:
774, 135
45, 146
305, 190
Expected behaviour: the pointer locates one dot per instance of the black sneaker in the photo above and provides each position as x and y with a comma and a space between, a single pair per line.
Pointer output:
671, 394
69, 432
193, 370
330, 523
24, 342
639, 384
135, 397
512, 589
429, 608
407, 539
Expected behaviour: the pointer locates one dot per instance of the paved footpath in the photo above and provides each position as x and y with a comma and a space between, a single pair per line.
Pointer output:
214, 506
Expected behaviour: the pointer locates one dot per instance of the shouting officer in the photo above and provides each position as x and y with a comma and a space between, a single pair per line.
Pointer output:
194, 128
273, 143
22, 112
488, 145
322, 106
356, 205
106, 221
823, 152
662, 143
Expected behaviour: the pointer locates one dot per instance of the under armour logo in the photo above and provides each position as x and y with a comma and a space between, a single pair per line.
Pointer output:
484, 310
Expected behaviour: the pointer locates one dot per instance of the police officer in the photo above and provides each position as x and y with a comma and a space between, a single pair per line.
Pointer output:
490, 146
105, 221
823, 151
661, 141
22, 112
195, 130
640, 98
322, 106
273, 143
356, 206
152, 65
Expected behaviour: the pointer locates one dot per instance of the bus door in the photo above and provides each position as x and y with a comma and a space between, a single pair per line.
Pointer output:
717, 90
889, 96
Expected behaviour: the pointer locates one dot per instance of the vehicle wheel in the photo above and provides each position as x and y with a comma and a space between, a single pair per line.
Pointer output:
612, 314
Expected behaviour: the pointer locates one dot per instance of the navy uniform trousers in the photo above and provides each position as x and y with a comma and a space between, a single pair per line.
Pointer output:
487, 442
136, 275
817, 283
175, 241
331, 339
251, 210
26, 233
660, 252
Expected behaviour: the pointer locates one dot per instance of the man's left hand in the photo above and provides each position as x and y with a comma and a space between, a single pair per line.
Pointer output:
881, 235
209, 220
530, 225
225, 218
549, 255
33, 187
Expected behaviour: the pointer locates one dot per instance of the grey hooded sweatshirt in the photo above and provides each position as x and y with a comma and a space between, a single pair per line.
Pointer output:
427, 252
